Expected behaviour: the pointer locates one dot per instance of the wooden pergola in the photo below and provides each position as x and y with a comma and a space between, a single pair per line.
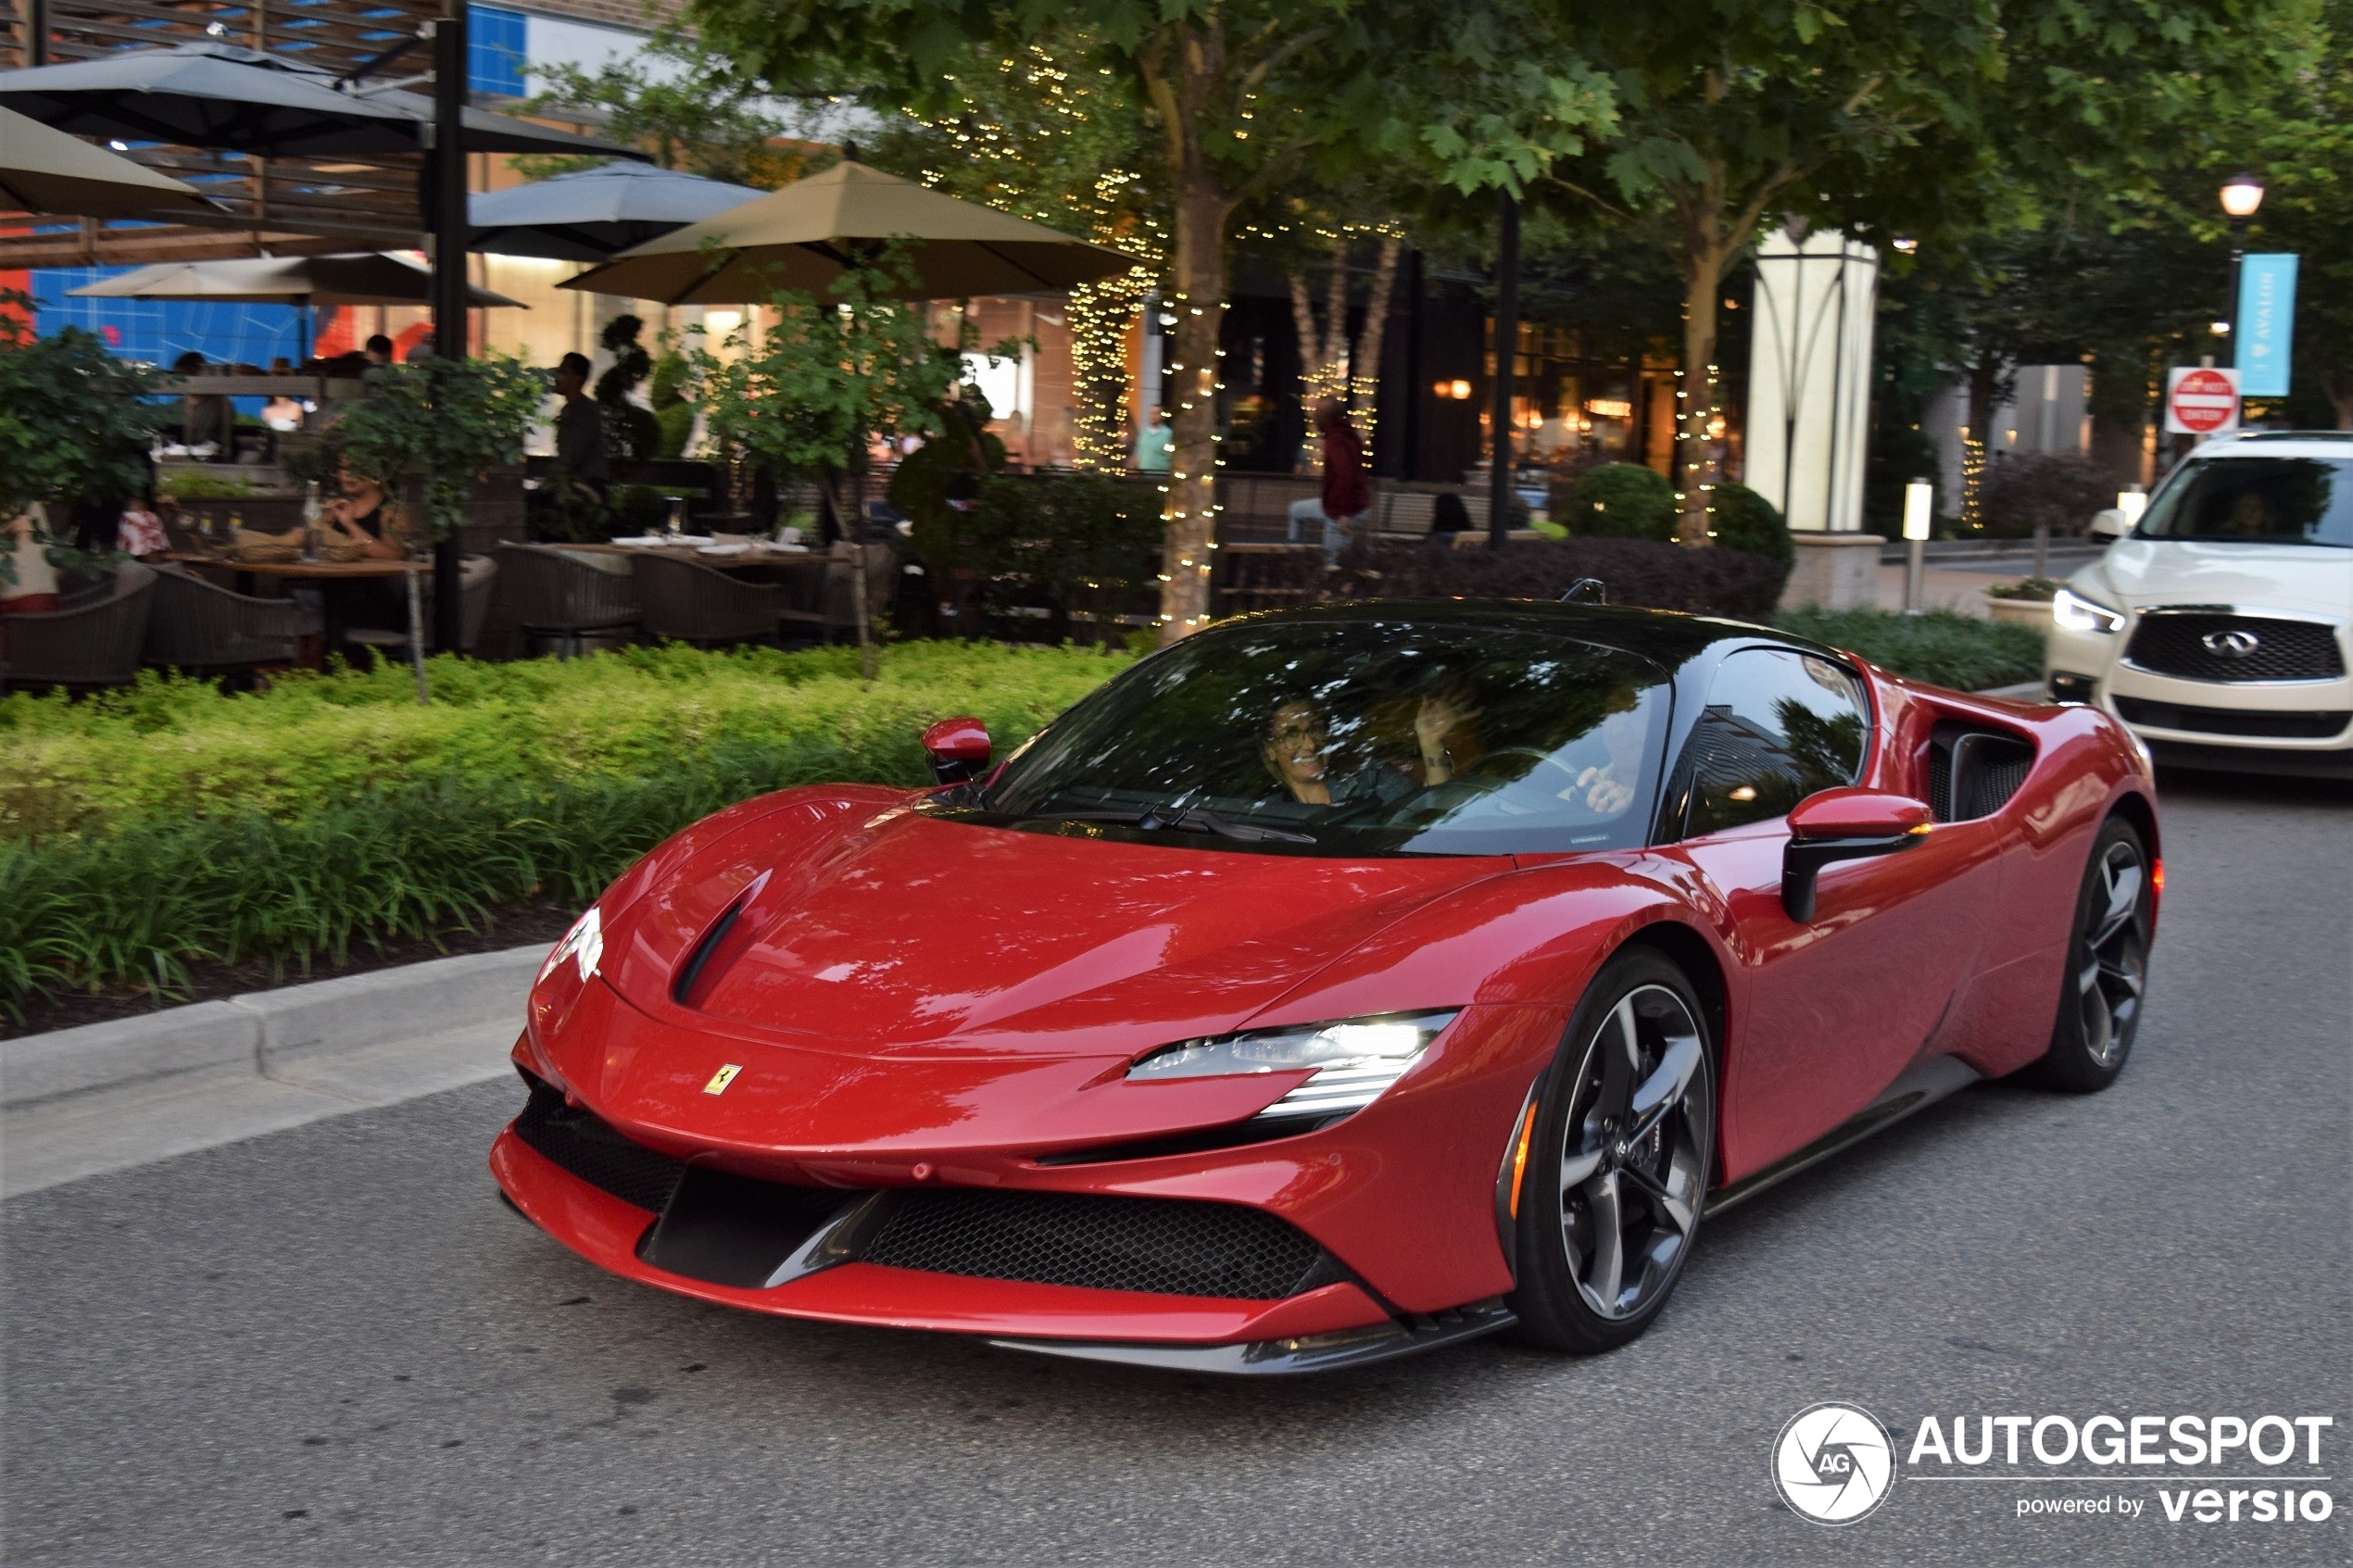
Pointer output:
285, 207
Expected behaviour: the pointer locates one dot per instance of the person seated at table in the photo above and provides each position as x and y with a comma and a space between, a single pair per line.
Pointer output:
378, 350
282, 413
364, 515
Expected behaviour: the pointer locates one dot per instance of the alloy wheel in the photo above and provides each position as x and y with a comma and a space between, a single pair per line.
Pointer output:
1635, 1152
2115, 954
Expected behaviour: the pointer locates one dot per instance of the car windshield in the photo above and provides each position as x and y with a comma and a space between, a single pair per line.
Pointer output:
2256, 500
1356, 738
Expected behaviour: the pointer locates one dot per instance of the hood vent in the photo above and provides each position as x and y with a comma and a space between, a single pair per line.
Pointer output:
721, 945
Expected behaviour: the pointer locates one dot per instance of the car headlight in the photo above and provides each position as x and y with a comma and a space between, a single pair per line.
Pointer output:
584, 944
2076, 613
1354, 1059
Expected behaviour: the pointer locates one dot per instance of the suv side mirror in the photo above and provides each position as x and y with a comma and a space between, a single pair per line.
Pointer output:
2109, 522
1845, 825
959, 749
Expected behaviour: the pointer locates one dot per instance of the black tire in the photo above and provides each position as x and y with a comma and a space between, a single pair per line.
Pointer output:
2099, 1008
1574, 1293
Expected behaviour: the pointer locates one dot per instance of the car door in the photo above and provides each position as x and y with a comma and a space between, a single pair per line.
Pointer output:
1825, 1013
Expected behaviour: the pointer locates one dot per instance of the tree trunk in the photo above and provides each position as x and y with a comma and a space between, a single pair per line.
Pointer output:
1696, 475
1364, 366
1984, 397
1192, 514
1311, 356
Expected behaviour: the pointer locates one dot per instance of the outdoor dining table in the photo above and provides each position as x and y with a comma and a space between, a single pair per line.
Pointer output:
330, 576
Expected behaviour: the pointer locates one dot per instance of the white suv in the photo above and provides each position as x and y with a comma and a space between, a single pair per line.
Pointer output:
2220, 628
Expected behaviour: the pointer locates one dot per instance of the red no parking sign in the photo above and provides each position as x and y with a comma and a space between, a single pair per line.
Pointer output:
2200, 401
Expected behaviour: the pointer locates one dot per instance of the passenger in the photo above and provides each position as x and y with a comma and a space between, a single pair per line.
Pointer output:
1607, 788
1298, 739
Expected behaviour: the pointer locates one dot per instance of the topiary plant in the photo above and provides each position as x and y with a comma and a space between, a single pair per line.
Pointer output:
674, 380
1621, 501
1742, 519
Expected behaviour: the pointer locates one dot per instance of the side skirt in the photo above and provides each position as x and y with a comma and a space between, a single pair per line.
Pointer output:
1319, 1352
1922, 1086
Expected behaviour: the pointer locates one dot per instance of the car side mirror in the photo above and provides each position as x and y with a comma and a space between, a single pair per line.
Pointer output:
2109, 523
1845, 825
959, 749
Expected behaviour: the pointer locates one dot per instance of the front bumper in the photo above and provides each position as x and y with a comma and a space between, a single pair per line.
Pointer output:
816, 1269
2264, 726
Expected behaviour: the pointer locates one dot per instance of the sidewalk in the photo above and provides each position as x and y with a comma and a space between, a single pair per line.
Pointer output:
1958, 584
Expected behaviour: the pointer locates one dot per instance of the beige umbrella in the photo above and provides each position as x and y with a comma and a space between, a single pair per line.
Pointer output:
49, 172
805, 235
368, 278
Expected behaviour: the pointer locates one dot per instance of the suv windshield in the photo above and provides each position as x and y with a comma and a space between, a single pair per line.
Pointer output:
1356, 738
2256, 500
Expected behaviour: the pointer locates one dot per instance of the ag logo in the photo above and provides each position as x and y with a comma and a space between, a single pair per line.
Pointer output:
1833, 1463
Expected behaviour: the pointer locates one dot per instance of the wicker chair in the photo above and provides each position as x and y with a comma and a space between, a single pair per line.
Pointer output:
477, 580
695, 604
205, 629
547, 592
95, 644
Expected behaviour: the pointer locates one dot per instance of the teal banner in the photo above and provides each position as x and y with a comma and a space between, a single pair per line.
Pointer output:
2266, 326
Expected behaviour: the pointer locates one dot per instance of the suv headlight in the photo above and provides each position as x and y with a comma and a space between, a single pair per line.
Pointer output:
2076, 613
1354, 1059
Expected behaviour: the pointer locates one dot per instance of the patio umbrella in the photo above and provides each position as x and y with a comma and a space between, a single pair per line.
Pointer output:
219, 96
589, 214
805, 235
366, 279
47, 171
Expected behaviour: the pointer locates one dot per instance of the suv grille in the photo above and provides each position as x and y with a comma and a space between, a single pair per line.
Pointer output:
1170, 1245
2176, 643
588, 1149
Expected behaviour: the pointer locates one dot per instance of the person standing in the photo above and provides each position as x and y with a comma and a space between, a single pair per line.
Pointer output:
1154, 443
1347, 494
581, 447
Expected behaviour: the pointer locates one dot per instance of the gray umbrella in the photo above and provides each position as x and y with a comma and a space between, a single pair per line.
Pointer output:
589, 214
219, 96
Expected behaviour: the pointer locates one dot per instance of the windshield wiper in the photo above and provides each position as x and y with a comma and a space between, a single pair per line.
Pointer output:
1150, 817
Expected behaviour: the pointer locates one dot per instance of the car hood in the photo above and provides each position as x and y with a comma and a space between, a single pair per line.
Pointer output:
2143, 572
907, 934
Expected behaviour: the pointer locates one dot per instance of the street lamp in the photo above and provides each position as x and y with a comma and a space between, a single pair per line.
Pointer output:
2241, 194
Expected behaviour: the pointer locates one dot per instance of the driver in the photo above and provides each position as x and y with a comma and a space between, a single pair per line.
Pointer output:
1608, 789
1298, 739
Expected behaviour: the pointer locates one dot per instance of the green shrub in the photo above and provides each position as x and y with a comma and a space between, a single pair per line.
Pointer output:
1742, 519
1941, 648
168, 747
1621, 501
333, 810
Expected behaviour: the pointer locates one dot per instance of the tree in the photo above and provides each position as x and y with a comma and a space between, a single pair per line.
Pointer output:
1238, 94
446, 421
692, 108
1957, 122
75, 420
1334, 365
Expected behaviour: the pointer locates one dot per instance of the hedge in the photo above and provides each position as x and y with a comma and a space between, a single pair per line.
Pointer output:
1634, 571
169, 748
1940, 646
169, 825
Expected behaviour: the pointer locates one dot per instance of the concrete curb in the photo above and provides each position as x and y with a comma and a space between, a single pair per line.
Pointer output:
263, 1032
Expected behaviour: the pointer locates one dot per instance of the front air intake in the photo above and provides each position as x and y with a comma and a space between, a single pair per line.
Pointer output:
1169, 1246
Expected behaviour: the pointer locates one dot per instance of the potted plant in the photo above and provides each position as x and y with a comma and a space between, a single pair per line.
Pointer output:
824, 379
429, 432
76, 424
2026, 603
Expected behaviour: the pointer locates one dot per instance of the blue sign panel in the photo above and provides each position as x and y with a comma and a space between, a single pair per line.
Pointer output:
2266, 326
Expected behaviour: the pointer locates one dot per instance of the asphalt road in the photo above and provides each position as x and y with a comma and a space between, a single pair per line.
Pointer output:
332, 1346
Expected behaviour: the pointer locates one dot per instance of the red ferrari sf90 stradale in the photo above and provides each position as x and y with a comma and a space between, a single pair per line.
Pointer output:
1333, 985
